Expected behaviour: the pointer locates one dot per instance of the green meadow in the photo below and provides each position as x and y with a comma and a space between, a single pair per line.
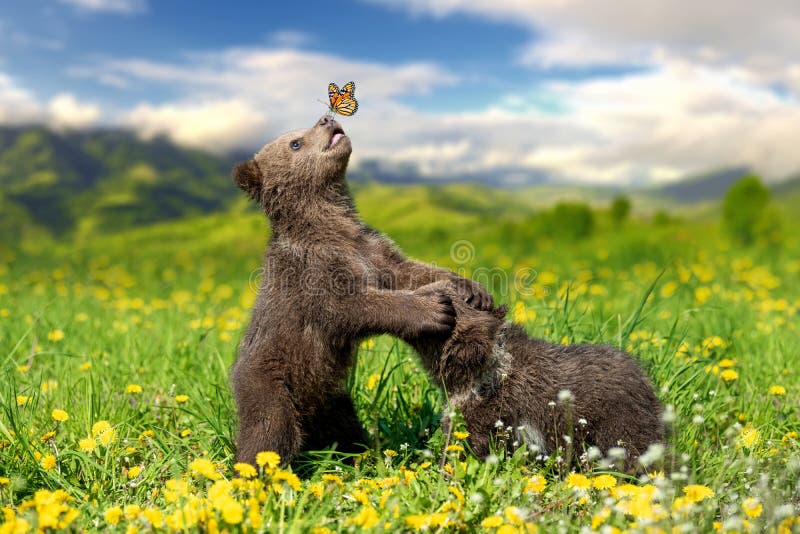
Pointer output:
115, 349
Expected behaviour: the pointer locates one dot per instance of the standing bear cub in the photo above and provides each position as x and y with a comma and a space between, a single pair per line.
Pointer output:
328, 281
492, 371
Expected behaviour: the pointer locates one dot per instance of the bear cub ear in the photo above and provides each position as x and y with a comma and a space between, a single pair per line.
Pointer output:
247, 176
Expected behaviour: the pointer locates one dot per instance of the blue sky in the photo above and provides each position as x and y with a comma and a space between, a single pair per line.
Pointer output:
607, 91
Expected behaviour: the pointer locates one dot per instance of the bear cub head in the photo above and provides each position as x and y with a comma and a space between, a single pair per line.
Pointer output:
298, 164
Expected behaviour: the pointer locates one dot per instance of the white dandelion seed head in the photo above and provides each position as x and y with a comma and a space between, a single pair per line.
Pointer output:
669, 414
476, 497
617, 453
653, 454
564, 395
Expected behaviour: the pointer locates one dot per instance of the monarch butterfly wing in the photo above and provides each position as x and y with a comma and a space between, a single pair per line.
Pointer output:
347, 105
349, 89
333, 94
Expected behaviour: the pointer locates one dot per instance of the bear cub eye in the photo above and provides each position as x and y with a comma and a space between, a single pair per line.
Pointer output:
295, 145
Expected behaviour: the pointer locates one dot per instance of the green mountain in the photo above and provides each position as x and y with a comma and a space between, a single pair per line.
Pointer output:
106, 179
87, 183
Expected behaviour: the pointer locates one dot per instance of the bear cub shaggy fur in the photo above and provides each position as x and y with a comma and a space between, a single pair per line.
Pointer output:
492, 371
328, 281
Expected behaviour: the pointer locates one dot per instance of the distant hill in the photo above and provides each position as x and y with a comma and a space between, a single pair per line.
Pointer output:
103, 181
707, 186
104, 178
376, 171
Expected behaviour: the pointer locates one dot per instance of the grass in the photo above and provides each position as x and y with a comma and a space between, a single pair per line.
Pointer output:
116, 412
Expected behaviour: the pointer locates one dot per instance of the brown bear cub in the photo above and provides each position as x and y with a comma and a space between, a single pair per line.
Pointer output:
328, 281
493, 372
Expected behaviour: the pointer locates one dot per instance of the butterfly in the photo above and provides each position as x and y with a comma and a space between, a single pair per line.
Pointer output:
343, 101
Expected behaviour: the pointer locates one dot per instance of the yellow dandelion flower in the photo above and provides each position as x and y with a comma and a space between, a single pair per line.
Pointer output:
457, 493
361, 496
426, 521
535, 484
373, 381
132, 511
752, 508
85, 366
681, 503
48, 462
106, 437
749, 437
600, 518
390, 453
578, 481
366, 518
134, 471
726, 363
454, 448
87, 444
154, 516
185, 433
729, 375
604, 482
180, 399
245, 470
268, 459
133, 389
290, 479
513, 515
205, 467
317, 489
777, 391
55, 335
4, 481
22, 400
232, 512
47, 436
460, 435
113, 515
59, 415
100, 427
697, 492
493, 521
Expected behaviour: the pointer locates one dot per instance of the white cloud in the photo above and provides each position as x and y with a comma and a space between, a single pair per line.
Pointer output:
17, 105
219, 126
657, 124
238, 96
761, 37
66, 112
112, 6
63, 111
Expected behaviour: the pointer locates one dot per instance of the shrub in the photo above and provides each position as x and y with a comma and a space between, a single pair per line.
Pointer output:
743, 208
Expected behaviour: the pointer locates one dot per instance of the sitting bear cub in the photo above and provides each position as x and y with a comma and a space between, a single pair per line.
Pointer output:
492, 371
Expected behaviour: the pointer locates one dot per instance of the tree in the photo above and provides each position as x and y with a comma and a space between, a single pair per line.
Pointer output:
620, 209
571, 220
743, 208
